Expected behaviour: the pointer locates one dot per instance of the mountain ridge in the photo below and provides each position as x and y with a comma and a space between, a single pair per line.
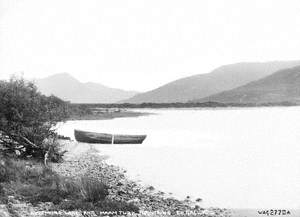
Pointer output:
70, 89
281, 86
198, 86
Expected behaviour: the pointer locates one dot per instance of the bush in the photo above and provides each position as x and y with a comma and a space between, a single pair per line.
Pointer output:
27, 119
54, 153
93, 190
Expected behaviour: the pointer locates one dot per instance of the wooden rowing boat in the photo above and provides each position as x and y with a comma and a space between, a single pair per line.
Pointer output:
104, 138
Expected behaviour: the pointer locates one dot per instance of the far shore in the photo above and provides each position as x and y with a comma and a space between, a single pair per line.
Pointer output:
111, 111
209, 104
107, 114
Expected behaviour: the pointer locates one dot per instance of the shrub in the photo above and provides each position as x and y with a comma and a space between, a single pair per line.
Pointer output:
93, 190
54, 153
27, 118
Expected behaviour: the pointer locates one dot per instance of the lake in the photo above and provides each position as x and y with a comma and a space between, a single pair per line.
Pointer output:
232, 158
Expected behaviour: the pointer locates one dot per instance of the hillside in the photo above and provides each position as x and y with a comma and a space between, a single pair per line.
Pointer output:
68, 88
282, 86
223, 78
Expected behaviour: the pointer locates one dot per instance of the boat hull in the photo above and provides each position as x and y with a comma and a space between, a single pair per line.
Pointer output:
104, 138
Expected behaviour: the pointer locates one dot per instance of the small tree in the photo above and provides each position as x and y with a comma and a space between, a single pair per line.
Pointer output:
28, 118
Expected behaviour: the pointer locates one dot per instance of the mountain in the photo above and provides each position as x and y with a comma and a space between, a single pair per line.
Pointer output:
223, 78
68, 88
281, 86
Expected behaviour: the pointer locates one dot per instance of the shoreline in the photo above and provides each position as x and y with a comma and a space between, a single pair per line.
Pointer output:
83, 159
96, 114
133, 113
111, 111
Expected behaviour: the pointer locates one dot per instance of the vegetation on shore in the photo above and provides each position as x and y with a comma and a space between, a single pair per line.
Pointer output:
27, 121
28, 143
31, 172
32, 182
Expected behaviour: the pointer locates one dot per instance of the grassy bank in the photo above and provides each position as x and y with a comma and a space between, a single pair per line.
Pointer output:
34, 188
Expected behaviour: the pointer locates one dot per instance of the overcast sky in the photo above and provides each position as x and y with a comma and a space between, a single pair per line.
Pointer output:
140, 44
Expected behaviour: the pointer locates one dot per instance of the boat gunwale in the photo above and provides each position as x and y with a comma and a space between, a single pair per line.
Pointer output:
108, 134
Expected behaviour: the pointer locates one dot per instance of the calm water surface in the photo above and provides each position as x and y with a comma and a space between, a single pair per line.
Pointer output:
233, 158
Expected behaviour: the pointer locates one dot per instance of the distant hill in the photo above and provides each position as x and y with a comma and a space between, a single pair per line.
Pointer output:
223, 78
68, 88
281, 86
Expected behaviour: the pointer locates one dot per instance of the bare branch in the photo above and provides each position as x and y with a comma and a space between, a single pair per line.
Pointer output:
29, 142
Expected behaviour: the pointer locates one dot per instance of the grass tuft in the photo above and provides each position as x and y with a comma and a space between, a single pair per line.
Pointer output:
32, 182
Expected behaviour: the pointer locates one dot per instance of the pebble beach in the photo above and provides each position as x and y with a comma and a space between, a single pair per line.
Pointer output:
84, 160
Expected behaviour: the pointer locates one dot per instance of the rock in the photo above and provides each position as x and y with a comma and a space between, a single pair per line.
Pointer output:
3, 211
